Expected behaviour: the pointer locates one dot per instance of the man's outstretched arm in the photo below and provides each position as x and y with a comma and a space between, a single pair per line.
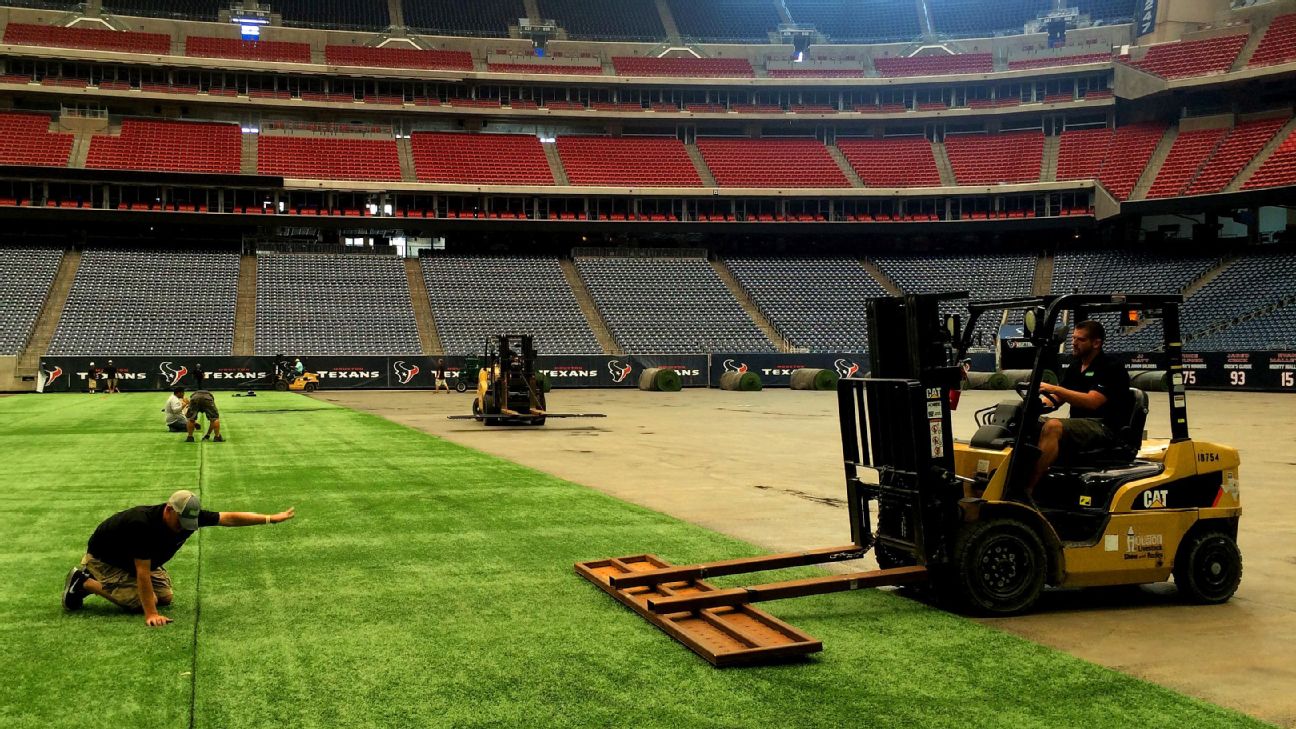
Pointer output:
147, 598
251, 518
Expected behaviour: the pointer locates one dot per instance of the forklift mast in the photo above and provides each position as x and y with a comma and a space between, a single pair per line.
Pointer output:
897, 441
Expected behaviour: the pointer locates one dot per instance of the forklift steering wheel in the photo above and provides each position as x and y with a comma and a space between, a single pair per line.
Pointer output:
1023, 386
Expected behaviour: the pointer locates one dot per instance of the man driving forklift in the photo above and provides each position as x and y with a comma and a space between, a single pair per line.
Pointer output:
1097, 388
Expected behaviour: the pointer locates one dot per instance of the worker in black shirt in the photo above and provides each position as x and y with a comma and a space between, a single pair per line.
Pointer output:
125, 557
1097, 389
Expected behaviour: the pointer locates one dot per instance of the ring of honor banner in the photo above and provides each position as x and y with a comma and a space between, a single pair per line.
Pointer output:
776, 370
1248, 371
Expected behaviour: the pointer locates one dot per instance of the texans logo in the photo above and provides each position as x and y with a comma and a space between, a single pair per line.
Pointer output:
846, 368
51, 375
731, 366
618, 370
404, 373
173, 372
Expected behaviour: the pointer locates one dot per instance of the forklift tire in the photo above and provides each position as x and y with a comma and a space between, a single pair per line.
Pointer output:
538, 421
999, 568
461, 387
281, 386
476, 410
312, 386
1208, 567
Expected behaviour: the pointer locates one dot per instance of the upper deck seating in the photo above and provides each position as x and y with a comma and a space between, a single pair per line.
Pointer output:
25, 139
488, 159
892, 162
147, 144
771, 163
98, 39
627, 161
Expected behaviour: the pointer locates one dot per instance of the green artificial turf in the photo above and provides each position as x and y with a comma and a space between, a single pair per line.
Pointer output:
426, 584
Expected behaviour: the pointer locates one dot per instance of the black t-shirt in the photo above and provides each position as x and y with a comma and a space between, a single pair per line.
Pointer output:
110, 372
1107, 376
140, 533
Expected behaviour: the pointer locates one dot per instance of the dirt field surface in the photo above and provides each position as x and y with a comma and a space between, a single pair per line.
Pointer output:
765, 467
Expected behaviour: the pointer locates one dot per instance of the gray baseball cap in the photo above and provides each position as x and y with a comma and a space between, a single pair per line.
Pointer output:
186, 504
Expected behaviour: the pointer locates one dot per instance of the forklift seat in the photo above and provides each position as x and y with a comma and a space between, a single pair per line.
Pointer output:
1129, 439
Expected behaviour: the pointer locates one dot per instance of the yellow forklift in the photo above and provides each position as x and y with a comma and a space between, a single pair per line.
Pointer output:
509, 391
954, 516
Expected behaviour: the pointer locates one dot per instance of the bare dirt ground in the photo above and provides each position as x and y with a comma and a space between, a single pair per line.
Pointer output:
765, 467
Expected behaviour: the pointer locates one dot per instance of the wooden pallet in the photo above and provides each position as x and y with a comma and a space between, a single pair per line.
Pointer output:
725, 636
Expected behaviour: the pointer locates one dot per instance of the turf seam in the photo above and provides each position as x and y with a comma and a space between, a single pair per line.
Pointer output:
193, 647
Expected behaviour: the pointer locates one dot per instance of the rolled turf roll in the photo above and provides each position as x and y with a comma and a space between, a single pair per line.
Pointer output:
979, 380
660, 379
543, 382
810, 378
999, 381
740, 381
1151, 381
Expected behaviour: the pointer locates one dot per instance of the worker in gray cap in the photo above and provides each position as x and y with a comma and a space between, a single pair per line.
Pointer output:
125, 557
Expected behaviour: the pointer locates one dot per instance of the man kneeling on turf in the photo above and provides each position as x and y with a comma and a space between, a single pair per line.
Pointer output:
205, 403
174, 409
125, 557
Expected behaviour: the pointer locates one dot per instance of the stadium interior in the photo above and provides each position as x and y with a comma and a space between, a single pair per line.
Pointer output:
771, 162
716, 187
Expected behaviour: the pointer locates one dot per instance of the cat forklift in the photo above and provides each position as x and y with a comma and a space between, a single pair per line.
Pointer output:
508, 391
953, 518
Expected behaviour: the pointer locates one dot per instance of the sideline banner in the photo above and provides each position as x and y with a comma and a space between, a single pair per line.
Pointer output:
1243, 371
776, 369
71, 374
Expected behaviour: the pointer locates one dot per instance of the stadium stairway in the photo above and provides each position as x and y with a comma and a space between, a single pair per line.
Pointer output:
668, 20
249, 163
48, 320
80, 149
1154, 164
845, 166
943, 164
1043, 283
555, 163
592, 314
1248, 50
1288, 129
429, 339
892, 288
245, 308
1210, 275
1048, 165
744, 300
703, 171
405, 155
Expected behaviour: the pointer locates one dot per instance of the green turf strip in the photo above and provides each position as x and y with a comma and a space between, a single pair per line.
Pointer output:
425, 584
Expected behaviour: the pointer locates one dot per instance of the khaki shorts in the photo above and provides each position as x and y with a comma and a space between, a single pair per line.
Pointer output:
120, 584
1086, 434
204, 404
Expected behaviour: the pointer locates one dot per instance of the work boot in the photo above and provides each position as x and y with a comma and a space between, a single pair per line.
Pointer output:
189, 439
219, 439
207, 436
74, 591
